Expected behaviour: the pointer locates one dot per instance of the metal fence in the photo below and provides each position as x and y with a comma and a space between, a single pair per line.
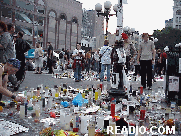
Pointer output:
172, 69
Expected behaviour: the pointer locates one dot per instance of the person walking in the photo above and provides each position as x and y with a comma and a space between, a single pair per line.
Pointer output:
105, 53
147, 53
78, 56
50, 58
38, 59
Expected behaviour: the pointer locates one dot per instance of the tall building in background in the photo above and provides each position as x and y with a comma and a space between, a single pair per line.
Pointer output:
55, 21
92, 25
169, 23
177, 14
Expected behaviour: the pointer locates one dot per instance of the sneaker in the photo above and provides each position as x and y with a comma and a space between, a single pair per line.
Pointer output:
149, 88
76, 80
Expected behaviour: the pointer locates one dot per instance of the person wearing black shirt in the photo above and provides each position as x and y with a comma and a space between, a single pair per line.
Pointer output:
50, 58
21, 48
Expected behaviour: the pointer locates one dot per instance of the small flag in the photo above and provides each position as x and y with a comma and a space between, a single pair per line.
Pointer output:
66, 133
99, 130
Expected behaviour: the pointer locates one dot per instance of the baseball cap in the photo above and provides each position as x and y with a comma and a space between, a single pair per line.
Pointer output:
15, 62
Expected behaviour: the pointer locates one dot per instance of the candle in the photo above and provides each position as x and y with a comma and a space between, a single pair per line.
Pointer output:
83, 124
22, 111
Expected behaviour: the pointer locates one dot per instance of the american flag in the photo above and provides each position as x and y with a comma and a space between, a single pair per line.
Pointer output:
99, 130
66, 133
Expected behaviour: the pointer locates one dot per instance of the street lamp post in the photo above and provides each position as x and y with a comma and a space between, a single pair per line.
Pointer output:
106, 13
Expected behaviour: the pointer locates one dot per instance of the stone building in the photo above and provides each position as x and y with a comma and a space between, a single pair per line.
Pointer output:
177, 14
55, 21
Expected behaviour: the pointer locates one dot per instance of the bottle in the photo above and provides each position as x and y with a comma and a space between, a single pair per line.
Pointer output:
83, 94
91, 129
113, 104
46, 91
96, 95
37, 110
30, 105
113, 125
99, 92
25, 92
130, 91
76, 123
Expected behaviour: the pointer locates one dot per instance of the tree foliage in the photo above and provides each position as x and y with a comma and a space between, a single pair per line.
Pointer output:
167, 37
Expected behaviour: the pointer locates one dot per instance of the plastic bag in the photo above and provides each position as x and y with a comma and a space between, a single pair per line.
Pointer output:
65, 104
78, 100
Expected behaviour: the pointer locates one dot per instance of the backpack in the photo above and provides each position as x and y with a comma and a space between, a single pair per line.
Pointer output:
61, 55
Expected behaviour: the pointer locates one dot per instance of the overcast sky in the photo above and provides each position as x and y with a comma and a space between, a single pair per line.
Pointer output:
143, 15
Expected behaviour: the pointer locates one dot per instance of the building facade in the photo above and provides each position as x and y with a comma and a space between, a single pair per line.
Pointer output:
92, 25
58, 22
177, 14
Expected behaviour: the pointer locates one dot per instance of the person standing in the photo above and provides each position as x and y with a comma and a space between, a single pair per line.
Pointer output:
163, 58
105, 53
88, 60
97, 61
50, 58
20, 50
157, 63
147, 53
38, 59
128, 47
7, 41
78, 56
61, 58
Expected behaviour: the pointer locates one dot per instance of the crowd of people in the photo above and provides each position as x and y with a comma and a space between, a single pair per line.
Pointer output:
144, 61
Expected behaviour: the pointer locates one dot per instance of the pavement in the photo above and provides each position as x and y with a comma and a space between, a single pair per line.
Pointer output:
33, 80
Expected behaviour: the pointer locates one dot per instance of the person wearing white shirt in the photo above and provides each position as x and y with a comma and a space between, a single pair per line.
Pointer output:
105, 53
78, 56
97, 60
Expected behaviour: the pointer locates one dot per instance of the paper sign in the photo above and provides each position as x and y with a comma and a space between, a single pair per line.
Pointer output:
173, 83
168, 110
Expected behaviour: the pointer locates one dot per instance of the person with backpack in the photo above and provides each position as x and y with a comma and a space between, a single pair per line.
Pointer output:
163, 57
147, 53
105, 57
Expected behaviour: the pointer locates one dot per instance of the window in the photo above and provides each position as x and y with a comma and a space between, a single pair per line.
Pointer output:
6, 12
176, 19
179, 26
178, 12
7, 2
176, 27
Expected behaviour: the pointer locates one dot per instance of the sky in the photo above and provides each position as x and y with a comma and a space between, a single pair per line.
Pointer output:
143, 15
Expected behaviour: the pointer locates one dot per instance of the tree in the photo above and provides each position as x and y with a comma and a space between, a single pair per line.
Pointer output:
167, 37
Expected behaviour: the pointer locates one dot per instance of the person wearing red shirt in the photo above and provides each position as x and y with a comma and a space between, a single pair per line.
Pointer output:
163, 58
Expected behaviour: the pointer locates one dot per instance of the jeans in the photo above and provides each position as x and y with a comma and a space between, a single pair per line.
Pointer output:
103, 67
97, 66
88, 65
77, 71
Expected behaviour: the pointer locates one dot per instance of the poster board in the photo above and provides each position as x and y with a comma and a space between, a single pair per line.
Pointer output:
173, 83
